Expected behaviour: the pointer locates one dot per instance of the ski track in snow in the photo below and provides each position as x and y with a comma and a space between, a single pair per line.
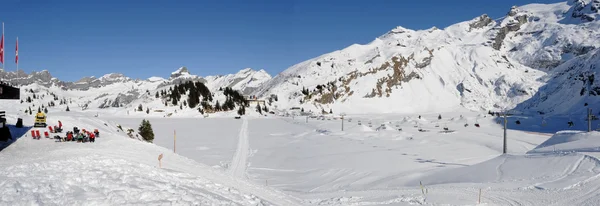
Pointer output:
240, 159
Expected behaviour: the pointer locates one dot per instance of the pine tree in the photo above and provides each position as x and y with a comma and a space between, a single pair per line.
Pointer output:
330, 111
146, 131
65, 110
302, 110
46, 110
241, 111
166, 104
39, 110
140, 108
439, 117
148, 110
258, 109
217, 106
180, 106
266, 109
156, 95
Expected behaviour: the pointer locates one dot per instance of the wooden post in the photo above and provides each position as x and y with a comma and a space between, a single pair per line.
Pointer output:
479, 201
504, 145
159, 160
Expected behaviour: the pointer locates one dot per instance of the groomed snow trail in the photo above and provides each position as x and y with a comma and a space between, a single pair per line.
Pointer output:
240, 158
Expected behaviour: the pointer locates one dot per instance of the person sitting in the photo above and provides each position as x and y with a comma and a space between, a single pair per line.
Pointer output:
80, 137
92, 137
69, 136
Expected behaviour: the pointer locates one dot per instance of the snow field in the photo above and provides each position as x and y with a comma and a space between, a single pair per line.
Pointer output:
322, 165
115, 170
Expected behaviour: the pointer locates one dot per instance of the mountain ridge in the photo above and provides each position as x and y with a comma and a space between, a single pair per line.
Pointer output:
478, 64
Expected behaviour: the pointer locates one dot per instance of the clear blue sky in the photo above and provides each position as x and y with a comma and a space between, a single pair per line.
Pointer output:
144, 38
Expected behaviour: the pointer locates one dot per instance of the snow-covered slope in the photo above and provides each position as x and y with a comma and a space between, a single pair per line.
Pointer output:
114, 170
477, 64
571, 89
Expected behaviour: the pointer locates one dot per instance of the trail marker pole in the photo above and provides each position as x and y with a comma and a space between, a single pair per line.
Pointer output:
589, 119
479, 201
342, 123
504, 145
174, 140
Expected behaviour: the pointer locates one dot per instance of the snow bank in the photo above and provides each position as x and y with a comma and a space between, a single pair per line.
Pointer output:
542, 171
570, 141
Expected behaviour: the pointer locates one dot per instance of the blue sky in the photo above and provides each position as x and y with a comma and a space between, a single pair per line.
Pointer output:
144, 38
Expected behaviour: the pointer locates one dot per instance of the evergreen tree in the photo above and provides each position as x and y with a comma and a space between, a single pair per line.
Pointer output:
46, 110
258, 109
439, 117
146, 131
266, 109
65, 110
302, 110
180, 106
217, 106
330, 111
39, 109
156, 95
241, 111
148, 110
166, 103
140, 108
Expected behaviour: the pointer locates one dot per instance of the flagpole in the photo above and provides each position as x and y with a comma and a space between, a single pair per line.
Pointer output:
17, 57
3, 45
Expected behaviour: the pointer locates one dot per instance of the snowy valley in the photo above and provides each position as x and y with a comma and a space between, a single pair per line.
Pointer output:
407, 119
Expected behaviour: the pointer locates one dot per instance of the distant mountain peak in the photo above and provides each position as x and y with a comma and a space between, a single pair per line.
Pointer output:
182, 71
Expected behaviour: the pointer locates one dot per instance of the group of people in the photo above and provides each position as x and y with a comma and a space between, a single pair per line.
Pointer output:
79, 135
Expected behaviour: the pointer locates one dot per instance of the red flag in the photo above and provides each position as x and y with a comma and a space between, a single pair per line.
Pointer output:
2, 50
17, 51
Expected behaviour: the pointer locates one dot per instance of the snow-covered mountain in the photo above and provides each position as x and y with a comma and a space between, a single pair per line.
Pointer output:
480, 64
118, 91
571, 88
246, 80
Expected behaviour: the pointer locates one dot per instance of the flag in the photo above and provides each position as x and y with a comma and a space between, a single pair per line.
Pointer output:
2, 50
17, 52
